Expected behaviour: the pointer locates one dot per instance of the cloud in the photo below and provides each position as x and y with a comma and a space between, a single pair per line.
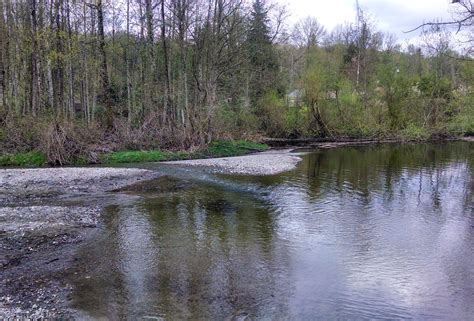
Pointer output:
393, 16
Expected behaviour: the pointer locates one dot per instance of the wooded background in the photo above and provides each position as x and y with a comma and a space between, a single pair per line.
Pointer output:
179, 73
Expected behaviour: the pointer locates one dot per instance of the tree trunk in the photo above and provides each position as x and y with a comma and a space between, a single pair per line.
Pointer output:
34, 89
106, 97
3, 54
168, 105
71, 99
127, 62
59, 70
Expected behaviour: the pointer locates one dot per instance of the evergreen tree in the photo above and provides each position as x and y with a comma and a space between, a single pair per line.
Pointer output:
261, 53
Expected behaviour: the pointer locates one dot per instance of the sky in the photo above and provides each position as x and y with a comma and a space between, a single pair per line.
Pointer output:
393, 16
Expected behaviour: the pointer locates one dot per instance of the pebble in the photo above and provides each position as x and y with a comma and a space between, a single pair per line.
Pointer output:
265, 163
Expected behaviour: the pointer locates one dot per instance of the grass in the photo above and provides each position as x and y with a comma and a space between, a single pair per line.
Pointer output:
23, 159
215, 149
133, 157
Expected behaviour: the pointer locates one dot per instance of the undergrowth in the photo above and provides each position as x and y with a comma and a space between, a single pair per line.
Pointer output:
215, 149
23, 159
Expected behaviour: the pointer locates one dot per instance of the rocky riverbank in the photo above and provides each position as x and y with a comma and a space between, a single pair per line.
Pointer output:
46, 213
266, 163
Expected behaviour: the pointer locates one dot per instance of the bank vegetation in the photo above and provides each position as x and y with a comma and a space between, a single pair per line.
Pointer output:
83, 79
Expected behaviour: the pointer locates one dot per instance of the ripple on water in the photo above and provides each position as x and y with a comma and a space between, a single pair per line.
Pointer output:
354, 233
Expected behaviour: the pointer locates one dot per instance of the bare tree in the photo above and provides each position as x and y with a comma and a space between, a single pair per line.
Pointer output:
308, 32
462, 20
3, 48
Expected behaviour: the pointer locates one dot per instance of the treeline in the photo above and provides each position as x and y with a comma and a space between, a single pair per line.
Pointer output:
146, 74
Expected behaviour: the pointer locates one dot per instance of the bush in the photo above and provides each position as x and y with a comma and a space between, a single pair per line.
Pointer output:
414, 132
270, 110
235, 122
64, 142
233, 148
462, 123
215, 149
21, 134
23, 159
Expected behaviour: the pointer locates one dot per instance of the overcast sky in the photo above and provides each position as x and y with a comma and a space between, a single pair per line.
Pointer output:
394, 16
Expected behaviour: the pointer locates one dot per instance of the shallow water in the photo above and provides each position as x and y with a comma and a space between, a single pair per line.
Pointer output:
353, 233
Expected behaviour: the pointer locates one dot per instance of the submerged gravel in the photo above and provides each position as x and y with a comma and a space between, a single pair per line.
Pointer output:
265, 163
40, 231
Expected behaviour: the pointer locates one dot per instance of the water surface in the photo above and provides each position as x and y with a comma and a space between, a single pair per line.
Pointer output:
353, 233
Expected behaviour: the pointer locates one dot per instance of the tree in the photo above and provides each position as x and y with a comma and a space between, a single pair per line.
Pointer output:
262, 57
3, 58
308, 32
315, 85
462, 20
106, 98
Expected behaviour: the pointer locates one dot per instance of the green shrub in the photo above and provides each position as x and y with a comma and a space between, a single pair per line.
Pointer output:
235, 121
215, 149
462, 123
414, 132
23, 159
270, 111
233, 148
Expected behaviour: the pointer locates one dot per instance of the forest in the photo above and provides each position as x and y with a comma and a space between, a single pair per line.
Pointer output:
81, 79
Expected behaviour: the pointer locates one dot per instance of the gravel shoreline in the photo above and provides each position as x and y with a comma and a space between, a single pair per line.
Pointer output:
36, 183
265, 163
41, 230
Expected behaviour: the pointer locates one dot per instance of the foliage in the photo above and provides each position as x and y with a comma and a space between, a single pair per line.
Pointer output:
271, 109
181, 78
414, 132
261, 52
463, 122
134, 157
23, 159
435, 88
215, 149
233, 148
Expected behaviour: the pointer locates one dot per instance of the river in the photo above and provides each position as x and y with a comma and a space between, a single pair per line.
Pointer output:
374, 232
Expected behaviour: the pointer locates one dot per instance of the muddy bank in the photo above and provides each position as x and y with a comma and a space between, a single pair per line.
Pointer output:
265, 163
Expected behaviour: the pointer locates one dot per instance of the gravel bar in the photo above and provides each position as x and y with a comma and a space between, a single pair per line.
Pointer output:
265, 163
49, 182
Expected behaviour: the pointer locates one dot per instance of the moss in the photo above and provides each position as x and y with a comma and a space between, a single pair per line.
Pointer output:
23, 159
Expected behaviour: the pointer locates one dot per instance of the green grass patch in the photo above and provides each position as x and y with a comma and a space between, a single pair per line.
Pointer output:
23, 159
134, 157
215, 149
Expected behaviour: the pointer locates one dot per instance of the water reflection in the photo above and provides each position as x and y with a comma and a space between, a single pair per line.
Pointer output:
372, 232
